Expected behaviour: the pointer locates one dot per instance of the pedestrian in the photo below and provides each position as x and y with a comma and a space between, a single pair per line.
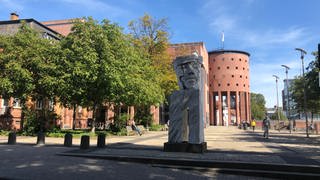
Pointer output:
266, 126
253, 124
135, 128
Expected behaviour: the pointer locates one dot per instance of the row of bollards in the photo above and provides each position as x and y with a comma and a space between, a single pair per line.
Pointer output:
84, 144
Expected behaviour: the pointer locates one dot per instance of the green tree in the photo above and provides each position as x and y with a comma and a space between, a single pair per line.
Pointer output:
151, 37
29, 64
258, 106
274, 116
103, 66
312, 90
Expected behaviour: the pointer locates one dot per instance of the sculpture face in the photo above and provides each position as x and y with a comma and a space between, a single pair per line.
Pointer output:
188, 72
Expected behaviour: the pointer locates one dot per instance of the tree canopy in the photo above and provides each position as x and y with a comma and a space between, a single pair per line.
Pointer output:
312, 89
151, 37
258, 106
102, 65
29, 65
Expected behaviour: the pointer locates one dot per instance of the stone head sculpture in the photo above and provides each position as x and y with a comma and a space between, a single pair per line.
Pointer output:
188, 71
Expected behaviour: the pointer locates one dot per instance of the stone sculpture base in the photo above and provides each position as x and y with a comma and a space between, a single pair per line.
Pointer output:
185, 147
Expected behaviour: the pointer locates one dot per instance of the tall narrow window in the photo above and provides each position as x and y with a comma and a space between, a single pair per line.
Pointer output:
39, 104
16, 103
51, 105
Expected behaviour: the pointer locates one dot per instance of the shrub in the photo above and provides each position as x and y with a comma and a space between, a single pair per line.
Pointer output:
156, 127
31, 124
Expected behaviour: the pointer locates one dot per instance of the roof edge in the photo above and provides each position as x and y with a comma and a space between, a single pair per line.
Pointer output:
223, 51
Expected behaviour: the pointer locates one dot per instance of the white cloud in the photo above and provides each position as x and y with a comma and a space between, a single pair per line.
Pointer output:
97, 5
272, 37
223, 23
270, 47
12, 5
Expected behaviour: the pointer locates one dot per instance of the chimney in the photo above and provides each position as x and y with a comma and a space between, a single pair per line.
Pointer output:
14, 16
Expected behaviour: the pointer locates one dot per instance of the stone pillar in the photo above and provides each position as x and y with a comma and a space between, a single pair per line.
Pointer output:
220, 109
211, 108
248, 107
228, 104
237, 107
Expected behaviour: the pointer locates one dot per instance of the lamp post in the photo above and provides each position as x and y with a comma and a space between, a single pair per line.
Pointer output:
278, 113
303, 52
288, 101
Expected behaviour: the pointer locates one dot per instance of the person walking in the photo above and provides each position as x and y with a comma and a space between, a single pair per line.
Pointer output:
253, 124
266, 126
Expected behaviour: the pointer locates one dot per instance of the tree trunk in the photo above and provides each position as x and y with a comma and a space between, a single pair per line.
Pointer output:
23, 108
93, 129
43, 118
74, 117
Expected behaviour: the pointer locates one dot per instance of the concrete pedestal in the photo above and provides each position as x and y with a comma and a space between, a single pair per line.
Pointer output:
185, 147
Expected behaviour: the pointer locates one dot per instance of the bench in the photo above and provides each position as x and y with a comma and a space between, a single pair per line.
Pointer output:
131, 132
142, 129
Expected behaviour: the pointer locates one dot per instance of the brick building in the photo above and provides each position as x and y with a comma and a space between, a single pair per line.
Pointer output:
227, 99
10, 109
227, 86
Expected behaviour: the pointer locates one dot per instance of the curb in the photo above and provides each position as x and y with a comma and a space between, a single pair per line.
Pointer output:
234, 167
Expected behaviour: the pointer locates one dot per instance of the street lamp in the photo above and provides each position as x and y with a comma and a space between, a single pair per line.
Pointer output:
303, 52
288, 101
277, 100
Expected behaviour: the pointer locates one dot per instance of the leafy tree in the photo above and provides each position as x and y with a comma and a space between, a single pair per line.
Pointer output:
103, 66
5, 83
309, 84
151, 37
312, 90
258, 106
274, 116
29, 67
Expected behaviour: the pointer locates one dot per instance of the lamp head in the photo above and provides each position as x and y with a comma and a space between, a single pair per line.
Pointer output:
285, 66
303, 52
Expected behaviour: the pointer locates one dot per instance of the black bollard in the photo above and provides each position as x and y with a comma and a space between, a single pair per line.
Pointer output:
101, 141
68, 139
85, 142
41, 138
12, 138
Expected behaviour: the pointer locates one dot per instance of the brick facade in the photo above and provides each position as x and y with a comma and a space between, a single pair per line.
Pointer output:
227, 75
229, 87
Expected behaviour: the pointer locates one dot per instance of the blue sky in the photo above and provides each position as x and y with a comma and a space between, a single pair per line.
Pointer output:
269, 30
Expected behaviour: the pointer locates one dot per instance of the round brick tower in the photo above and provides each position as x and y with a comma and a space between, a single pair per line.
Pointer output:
229, 87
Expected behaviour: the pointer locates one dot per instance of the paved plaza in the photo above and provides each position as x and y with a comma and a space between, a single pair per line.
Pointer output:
228, 147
